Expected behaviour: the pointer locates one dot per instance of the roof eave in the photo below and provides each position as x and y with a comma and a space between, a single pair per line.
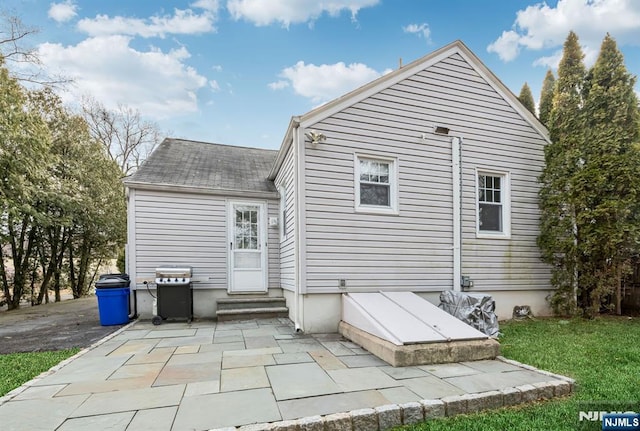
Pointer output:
284, 147
137, 185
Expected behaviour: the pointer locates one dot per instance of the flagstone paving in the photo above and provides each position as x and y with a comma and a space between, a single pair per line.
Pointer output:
206, 375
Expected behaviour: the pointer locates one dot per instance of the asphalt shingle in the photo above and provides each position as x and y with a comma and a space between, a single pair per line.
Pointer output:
206, 165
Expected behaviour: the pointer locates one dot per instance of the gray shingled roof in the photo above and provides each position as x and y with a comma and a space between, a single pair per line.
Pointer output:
185, 163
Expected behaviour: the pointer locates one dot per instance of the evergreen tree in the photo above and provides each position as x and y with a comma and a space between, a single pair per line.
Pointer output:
590, 192
559, 234
546, 97
526, 98
608, 183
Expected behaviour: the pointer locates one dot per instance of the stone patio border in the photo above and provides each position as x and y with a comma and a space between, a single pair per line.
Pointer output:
392, 415
17, 391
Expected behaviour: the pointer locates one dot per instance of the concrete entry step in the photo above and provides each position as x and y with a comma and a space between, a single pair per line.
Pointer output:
240, 303
404, 329
251, 313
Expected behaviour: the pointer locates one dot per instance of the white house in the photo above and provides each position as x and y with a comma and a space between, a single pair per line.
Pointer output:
414, 182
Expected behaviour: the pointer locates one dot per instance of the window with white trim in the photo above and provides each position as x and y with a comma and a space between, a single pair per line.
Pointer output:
493, 205
376, 184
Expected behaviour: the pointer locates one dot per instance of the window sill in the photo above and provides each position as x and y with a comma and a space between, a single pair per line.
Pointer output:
489, 235
374, 210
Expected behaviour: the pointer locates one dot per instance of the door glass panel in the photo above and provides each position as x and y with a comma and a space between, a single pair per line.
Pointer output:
246, 227
247, 260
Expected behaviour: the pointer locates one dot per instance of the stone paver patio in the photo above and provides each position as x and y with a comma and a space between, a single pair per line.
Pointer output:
207, 375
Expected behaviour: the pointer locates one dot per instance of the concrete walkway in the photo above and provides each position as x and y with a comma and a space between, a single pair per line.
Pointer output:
207, 375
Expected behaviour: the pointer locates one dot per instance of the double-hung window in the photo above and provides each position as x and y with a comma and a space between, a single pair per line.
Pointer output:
493, 205
376, 184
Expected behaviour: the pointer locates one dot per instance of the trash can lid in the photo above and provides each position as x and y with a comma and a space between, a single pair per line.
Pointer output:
111, 283
122, 276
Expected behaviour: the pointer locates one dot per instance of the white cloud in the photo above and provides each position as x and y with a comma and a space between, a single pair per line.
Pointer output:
421, 30
288, 12
541, 26
210, 5
214, 85
507, 46
326, 81
551, 61
157, 83
217, 67
183, 21
278, 85
62, 12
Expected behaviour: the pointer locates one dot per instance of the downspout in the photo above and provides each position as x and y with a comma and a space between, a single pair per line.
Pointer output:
133, 312
299, 183
133, 309
457, 224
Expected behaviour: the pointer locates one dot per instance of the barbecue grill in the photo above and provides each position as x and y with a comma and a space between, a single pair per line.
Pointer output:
175, 293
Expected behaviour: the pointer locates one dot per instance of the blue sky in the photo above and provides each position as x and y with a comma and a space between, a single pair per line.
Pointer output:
235, 71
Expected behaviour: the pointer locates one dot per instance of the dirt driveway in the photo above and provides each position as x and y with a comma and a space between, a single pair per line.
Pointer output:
53, 326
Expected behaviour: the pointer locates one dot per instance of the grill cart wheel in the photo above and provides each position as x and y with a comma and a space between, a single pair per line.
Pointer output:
156, 320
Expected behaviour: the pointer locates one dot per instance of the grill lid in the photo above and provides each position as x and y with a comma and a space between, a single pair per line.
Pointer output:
173, 275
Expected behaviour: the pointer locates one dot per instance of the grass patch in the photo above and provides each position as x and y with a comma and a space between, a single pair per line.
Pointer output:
602, 355
18, 368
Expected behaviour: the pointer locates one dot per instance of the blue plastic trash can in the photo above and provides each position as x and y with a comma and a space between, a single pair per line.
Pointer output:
113, 300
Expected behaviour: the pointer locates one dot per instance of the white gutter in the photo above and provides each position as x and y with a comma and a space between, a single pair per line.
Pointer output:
457, 252
134, 185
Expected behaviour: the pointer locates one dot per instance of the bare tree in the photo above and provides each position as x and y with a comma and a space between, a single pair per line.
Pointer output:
125, 135
21, 58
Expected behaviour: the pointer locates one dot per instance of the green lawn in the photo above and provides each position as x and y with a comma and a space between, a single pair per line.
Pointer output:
19, 368
602, 355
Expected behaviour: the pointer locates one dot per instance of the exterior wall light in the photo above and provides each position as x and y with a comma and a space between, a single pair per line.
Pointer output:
315, 137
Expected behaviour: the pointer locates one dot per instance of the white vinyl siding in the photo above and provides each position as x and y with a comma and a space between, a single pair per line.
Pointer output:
413, 251
285, 179
189, 229
374, 251
273, 246
282, 216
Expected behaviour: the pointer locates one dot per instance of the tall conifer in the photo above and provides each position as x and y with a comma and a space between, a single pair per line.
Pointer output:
590, 191
608, 183
559, 234
526, 98
546, 97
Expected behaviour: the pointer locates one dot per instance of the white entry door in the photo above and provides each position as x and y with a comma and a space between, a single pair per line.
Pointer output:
247, 247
